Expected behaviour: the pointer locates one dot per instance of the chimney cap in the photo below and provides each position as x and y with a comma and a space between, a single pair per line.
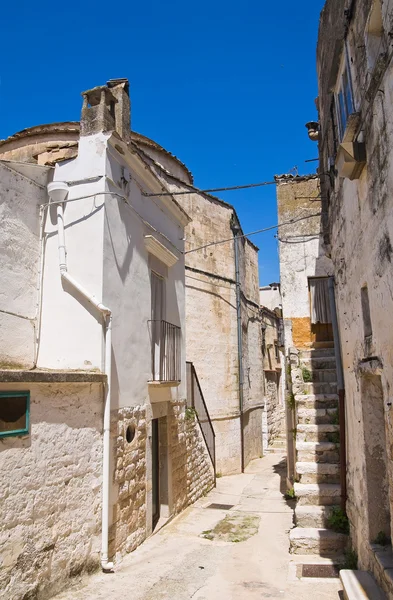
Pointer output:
111, 83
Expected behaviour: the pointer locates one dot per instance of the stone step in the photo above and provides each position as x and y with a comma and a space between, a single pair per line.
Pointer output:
317, 416
317, 433
316, 387
311, 515
320, 494
360, 585
322, 362
383, 567
317, 352
317, 400
312, 472
324, 376
310, 540
319, 452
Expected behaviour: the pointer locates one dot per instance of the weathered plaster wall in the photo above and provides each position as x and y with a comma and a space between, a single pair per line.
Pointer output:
360, 230
302, 253
50, 492
270, 296
21, 193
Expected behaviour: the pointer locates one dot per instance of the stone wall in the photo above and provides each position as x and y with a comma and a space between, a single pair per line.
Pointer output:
192, 472
128, 528
186, 470
50, 492
274, 396
302, 253
360, 231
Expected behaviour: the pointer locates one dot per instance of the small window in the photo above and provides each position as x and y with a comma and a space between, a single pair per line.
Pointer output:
276, 350
368, 331
344, 100
14, 413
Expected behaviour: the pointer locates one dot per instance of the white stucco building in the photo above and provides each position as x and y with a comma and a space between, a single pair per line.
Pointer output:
96, 444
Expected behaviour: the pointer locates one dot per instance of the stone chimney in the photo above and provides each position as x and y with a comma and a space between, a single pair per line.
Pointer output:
107, 108
120, 88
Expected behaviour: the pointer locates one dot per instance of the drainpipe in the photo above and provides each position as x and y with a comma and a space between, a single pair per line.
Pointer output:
341, 394
236, 232
58, 192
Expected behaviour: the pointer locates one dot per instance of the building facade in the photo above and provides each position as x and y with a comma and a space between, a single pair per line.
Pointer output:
312, 407
97, 446
224, 336
355, 74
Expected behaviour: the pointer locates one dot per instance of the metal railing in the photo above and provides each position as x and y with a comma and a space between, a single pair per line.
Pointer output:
196, 401
165, 351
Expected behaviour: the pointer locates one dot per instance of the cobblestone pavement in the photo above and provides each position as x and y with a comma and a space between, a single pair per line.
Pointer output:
192, 557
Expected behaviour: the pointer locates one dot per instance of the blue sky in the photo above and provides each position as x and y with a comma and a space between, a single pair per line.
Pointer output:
226, 86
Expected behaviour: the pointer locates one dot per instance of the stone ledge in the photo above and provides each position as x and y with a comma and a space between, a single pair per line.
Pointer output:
42, 376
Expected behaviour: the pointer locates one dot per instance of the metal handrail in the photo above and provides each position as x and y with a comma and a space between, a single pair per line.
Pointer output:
196, 401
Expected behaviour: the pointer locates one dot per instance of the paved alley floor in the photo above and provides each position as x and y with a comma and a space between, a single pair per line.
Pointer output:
179, 563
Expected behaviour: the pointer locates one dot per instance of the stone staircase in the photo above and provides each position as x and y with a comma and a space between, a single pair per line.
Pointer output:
279, 444
317, 486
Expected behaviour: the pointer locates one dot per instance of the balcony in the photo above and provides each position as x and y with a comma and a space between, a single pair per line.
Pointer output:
165, 352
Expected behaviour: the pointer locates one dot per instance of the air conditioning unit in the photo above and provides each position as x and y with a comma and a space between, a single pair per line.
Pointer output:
350, 159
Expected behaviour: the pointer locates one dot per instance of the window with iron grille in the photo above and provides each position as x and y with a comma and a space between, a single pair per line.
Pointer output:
14, 413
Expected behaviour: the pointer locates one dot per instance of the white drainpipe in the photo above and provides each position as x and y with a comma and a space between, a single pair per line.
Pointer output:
58, 191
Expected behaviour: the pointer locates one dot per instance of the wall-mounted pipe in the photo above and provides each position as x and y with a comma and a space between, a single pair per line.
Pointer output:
58, 191
239, 341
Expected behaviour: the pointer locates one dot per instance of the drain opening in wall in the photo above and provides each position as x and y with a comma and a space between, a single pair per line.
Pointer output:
130, 433
324, 571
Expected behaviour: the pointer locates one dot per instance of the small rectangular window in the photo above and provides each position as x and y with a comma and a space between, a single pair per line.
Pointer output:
366, 312
14, 413
276, 350
345, 105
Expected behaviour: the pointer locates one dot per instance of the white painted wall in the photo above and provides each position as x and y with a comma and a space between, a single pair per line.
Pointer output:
71, 333
270, 297
22, 190
106, 254
127, 287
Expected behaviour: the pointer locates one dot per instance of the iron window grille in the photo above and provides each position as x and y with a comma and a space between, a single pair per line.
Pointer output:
165, 351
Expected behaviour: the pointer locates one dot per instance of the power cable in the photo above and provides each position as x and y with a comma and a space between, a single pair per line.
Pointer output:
222, 189
254, 232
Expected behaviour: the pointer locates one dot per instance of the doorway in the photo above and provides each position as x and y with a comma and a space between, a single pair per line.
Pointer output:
155, 452
378, 507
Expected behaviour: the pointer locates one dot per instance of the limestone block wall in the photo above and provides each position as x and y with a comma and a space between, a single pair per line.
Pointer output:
275, 408
128, 528
188, 470
50, 491
192, 472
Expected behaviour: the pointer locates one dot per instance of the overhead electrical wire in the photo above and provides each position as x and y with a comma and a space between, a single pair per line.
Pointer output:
254, 232
222, 189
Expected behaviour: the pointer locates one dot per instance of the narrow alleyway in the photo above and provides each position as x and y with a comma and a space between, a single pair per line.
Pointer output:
192, 557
